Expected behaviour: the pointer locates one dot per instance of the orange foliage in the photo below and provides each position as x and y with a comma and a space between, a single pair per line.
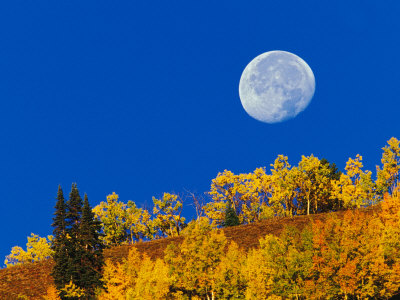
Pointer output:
357, 256
52, 293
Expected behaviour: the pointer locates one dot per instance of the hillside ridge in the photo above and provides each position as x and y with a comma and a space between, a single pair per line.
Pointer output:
32, 279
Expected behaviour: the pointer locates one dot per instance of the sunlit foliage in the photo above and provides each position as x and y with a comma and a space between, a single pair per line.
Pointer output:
37, 249
313, 186
168, 214
229, 280
123, 223
116, 281
353, 257
138, 277
355, 188
388, 174
287, 191
112, 215
52, 293
193, 264
70, 290
245, 192
351, 260
126, 223
312, 181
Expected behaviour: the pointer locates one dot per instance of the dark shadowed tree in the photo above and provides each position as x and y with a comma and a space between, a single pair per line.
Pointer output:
74, 212
331, 204
90, 251
231, 218
60, 256
78, 250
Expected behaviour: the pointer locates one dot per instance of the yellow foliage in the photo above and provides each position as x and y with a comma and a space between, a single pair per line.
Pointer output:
282, 187
152, 282
388, 176
258, 276
116, 281
138, 223
168, 212
72, 291
112, 215
355, 188
193, 264
123, 223
37, 249
138, 277
230, 283
313, 183
112, 197
246, 192
354, 257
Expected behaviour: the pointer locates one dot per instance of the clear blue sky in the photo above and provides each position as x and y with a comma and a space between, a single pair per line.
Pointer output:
141, 97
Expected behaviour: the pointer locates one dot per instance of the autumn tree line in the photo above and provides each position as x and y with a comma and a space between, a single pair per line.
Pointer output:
313, 186
354, 257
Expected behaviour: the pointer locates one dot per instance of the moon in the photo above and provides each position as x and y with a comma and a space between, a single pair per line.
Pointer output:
276, 86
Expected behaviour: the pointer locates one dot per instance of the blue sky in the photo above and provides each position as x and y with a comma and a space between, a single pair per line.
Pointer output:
142, 98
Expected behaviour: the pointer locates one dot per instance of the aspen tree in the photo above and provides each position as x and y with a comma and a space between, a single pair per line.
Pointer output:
37, 249
193, 264
388, 175
168, 214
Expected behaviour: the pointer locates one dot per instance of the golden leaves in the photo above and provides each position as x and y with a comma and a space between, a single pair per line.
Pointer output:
37, 249
168, 212
72, 291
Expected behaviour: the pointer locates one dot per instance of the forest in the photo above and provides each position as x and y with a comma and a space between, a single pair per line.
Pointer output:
355, 256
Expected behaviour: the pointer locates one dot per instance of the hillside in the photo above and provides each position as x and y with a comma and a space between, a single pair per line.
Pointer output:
32, 280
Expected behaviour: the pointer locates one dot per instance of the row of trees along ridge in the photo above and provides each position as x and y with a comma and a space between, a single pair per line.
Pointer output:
313, 186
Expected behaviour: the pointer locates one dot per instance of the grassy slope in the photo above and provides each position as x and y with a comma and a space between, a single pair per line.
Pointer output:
33, 279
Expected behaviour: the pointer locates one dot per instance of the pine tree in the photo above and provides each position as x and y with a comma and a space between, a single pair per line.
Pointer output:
91, 250
60, 214
330, 203
231, 218
73, 218
74, 212
60, 255
334, 173
78, 251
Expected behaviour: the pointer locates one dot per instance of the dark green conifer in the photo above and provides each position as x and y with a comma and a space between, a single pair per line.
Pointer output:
91, 250
74, 212
59, 215
60, 255
330, 203
334, 172
231, 218
78, 250
72, 245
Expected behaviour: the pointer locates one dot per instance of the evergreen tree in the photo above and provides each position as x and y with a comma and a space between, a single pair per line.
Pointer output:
330, 203
74, 212
73, 218
60, 214
78, 250
91, 250
231, 218
60, 255
334, 172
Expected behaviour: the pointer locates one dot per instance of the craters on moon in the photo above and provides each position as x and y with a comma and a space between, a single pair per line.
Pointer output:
276, 86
